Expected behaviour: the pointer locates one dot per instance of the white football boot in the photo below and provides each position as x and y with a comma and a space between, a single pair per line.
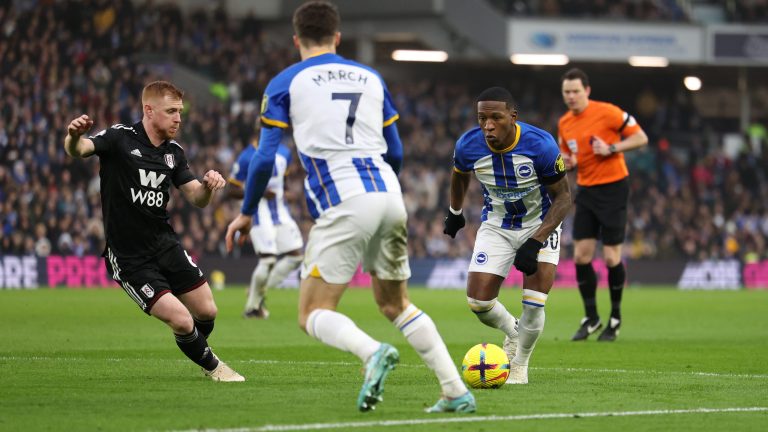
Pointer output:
518, 374
224, 373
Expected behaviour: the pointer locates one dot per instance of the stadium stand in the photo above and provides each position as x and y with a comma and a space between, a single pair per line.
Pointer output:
690, 200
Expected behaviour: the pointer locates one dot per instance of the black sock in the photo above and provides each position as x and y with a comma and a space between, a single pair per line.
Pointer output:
204, 326
587, 279
616, 279
195, 347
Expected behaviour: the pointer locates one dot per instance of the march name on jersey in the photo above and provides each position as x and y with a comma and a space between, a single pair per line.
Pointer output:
273, 208
338, 109
514, 196
135, 187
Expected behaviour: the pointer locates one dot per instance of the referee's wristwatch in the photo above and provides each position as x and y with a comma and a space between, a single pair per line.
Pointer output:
612, 148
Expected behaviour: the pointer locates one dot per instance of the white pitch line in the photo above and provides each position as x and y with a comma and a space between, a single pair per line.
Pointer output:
401, 365
463, 419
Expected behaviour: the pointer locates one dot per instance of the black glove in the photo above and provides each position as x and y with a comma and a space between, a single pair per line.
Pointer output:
453, 223
527, 257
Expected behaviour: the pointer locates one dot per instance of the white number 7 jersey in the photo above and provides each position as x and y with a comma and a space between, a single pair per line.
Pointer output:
338, 109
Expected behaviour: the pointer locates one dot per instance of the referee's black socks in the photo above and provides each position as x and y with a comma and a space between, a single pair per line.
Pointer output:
587, 279
195, 346
617, 276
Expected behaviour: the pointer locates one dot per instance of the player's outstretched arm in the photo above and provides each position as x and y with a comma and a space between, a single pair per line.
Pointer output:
200, 193
74, 144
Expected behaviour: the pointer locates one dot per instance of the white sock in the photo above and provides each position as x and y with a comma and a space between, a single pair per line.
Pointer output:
258, 286
531, 324
420, 331
493, 314
338, 331
282, 268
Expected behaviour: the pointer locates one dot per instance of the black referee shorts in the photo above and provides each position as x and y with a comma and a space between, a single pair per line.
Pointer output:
147, 279
601, 212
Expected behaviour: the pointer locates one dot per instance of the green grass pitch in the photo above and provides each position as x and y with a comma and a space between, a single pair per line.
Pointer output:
91, 360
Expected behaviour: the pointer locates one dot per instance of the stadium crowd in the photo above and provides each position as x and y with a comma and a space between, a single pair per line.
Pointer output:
743, 11
688, 201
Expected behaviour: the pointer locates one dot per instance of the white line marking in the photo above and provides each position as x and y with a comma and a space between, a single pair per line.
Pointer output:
463, 419
400, 365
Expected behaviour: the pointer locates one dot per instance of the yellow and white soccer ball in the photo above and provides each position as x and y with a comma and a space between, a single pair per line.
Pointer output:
485, 366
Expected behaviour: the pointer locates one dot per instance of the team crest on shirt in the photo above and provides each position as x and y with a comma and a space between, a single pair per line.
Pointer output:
481, 258
169, 160
148, 291
524, 170
559, 164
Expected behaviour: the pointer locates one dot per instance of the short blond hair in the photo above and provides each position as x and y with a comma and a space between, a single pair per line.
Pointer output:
160, 89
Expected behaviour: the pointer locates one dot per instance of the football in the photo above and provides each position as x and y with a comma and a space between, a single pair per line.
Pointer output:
485, 366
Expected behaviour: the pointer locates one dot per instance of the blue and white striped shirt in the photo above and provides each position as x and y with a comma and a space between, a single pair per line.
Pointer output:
514, 196
338, 109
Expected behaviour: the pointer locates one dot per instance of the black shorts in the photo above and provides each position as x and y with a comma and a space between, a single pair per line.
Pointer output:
601, 212
147, 279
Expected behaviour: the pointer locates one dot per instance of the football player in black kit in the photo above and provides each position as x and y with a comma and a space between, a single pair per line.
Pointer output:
138, 164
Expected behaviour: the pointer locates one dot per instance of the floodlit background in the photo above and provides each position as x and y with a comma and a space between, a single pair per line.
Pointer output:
694, 74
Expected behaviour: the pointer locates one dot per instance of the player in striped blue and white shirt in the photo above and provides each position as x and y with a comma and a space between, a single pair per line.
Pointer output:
525, 199
275, 236
343, 124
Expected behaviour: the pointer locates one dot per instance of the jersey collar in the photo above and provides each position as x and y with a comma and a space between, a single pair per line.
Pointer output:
143, 137
511, 146
318, 54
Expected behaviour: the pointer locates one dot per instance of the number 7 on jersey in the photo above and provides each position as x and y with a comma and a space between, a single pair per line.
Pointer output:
354, 100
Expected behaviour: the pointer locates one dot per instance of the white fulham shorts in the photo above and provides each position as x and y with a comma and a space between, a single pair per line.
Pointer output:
269, 239
495, 248
368, 228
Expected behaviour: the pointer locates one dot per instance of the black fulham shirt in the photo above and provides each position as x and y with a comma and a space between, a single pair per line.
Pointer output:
136, 179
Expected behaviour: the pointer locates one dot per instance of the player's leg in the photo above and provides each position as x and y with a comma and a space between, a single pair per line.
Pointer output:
198, 298
263, 239
187, 282
334, 250
189, 339
283, 267
386, 258
422, 334
536, 289
145, 284
535, 292
289, 244
617, 278
193, 294
613, 220
254, 303
586, 229
318, 317
491, 260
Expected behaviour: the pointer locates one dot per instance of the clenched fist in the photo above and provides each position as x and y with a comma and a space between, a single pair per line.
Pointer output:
79, 126
213, 181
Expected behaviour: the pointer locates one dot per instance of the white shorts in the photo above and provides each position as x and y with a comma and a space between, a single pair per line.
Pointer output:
271, 239
495, 248
371, 228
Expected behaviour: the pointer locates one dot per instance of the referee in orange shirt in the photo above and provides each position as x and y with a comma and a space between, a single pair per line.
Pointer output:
593, 136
